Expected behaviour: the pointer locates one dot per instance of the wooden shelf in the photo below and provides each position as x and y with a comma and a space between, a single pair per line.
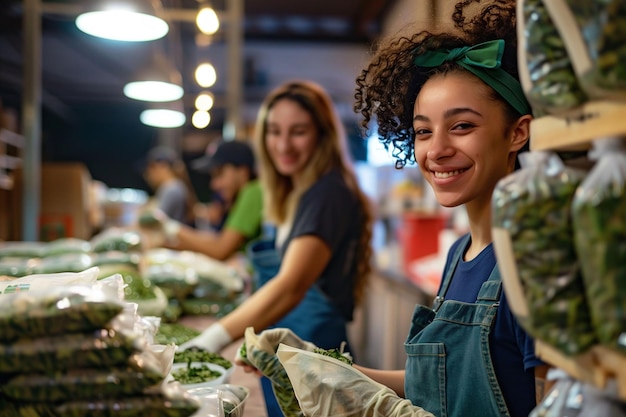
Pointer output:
597, 366
576, 129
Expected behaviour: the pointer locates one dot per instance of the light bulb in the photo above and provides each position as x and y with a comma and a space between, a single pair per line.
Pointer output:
122, 25
204, 101
200, 119
153, 91
206, 75
207, 21
162, 118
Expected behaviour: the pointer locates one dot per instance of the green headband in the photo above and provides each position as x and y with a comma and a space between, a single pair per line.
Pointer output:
482, 60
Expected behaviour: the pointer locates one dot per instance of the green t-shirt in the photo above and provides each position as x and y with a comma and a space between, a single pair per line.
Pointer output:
246, 214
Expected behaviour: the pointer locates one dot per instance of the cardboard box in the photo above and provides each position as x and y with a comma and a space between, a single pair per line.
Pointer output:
64, 201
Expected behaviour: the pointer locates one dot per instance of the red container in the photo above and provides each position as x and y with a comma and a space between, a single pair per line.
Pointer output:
419, 235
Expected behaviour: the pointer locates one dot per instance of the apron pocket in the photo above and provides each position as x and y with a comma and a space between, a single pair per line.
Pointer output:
425, 379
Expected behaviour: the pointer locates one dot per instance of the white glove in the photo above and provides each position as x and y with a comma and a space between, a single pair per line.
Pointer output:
261, 353
213, 339
159, 226
327, 387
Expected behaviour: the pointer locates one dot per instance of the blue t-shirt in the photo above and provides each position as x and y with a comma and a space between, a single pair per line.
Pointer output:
512, 349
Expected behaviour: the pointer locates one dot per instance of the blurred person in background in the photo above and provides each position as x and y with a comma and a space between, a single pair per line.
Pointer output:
233, 177
324, 223
167, 175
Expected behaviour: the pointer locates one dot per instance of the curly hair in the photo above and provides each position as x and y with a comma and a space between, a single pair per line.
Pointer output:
388, 86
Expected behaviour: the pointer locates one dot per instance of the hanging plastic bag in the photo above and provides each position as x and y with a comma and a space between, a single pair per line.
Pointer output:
328, 387
595, 37
546, 71
600, 236
533, 236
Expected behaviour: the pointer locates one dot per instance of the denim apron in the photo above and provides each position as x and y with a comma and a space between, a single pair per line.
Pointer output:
314, 319
448, 369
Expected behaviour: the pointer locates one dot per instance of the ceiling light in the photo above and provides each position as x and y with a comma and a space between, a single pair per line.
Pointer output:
131, 21
204, 101
206, 75
207, 20
157, 81
200, 119
165, 118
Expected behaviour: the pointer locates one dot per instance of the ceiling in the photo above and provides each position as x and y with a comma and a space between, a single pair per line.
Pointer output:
82, 77
77, 67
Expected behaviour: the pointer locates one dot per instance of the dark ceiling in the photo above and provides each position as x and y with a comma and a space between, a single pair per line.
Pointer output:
83, 76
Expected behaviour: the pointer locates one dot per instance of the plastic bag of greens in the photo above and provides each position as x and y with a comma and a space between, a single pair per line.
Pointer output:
68, 262
168, 400
65, 246
17, 267
116, 239
546, 71
21, 249
55, 311
600, 236
88, 383
115, 262
594, 33
100, 348
533, 236
177, 281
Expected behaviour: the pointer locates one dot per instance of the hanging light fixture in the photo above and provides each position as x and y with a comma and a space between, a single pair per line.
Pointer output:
207, 20
200, 119
131, 21
164, 115
205, 75
157, 81
204, 101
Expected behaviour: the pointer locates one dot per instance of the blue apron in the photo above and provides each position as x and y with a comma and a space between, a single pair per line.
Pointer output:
314, 319
449, 371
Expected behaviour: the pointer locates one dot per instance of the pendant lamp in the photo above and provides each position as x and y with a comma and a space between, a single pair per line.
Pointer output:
124, 20
164, 115
157, 80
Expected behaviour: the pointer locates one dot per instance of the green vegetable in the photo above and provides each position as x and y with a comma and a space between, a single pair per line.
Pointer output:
174, 333
195, 374
600, 236
533, 205
191, 355
554, 86
333, 353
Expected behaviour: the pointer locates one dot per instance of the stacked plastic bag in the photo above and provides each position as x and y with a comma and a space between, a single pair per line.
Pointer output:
70, 346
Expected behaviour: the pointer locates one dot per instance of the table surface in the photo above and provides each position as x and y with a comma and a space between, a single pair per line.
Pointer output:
255, 404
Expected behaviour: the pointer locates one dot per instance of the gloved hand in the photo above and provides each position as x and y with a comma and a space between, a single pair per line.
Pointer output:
261, 353
158, 226
327, 387
213, 339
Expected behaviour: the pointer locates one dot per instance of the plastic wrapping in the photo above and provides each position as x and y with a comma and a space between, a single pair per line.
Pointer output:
602, 26
598, 211
115, 239
105, 347
21, 249
532, 208
66, 245
55, 311
67, 262
549, 80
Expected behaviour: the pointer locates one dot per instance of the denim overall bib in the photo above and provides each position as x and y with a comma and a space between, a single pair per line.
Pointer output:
449, 370
314, 319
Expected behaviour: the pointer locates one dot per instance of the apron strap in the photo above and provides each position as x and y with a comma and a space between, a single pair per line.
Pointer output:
449, 273
490, 290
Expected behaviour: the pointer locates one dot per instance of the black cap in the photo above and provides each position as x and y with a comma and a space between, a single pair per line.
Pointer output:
234, 152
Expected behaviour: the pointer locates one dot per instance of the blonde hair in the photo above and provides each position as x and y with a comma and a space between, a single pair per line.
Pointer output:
280, 193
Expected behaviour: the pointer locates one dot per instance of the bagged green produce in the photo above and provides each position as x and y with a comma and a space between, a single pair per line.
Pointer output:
54, 310
101, 348
533, 236
17, 267
177, 281
116, 239
115, 262
598, 209
21, 249
84, 384
594, 33
169, 400
68, 262
546, 71
66, 245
